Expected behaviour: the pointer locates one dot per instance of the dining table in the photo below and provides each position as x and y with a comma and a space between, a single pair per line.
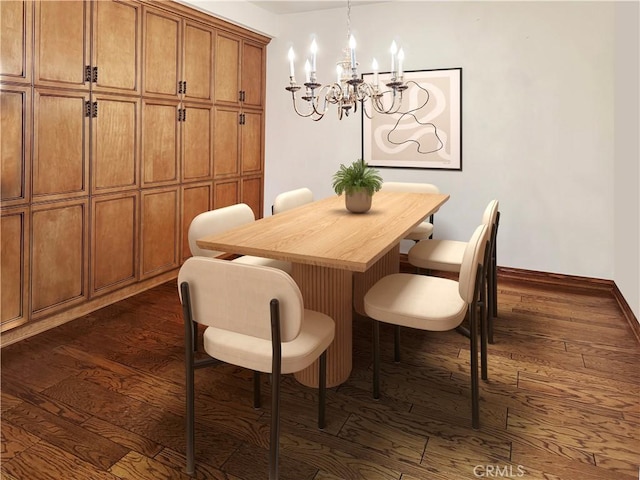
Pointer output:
336, 257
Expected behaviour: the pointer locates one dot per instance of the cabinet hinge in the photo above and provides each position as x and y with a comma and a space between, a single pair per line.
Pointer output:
87, 73
184, 114
242, 119
94, 110
184, 86
180, 86
87, 108
94, 76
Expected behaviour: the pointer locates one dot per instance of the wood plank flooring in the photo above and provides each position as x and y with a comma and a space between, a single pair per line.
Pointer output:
102, 398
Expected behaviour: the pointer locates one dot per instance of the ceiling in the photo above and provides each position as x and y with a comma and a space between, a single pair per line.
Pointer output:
281, 7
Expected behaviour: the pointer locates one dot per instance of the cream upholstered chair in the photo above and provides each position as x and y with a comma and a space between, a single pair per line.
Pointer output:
291, 199
221, 220
432, 303
425, 229
446, 255
255, 318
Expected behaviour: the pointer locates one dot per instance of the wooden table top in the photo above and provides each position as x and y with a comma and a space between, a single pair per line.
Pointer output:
325, 233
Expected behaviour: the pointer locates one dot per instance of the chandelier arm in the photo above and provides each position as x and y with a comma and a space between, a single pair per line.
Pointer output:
295, 107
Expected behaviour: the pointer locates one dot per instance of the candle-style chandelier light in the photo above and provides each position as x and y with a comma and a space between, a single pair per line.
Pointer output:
349, 89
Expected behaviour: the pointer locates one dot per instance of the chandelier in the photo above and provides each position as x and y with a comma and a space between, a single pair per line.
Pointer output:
349, 89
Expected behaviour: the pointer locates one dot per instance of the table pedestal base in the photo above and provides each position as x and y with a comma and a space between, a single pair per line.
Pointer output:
330, 291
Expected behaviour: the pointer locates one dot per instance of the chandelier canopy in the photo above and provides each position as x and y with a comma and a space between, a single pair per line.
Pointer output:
349, 89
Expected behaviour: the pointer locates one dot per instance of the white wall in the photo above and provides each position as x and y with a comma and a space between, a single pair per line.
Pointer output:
544, 85
627, 171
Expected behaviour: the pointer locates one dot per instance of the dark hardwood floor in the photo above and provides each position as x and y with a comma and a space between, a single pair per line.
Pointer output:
102, 398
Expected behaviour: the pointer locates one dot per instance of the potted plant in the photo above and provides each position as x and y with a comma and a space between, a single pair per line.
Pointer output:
359, 182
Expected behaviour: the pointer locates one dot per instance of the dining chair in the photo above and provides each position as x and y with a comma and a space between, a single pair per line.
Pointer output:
221, 220
255, 318
291, 199
432, 303
425, 229
446, 255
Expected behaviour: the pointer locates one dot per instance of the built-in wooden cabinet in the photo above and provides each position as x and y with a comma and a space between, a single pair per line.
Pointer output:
114, 241
15, 148
16, 31
14, 263
121, 121
58, 256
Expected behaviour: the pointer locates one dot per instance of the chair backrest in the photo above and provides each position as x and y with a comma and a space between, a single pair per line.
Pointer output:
217, 221
291, 199
410, 187
472, 258
490, 214
236, 297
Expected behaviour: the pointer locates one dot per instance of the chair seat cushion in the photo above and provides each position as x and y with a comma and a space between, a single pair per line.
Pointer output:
421, 232
316, 334
265, 262
416, 301
445, 255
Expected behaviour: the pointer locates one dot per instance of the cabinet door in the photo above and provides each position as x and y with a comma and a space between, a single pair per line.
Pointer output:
196, 198
161, 53
160, 231
16, 29
197, 141
114, 241
252, 144
160, 142
226, 142
61, 141
15, 148
198, 62
62, 43
116, 46
226, 192
252, 194
227, 69
114, 143
14, 236
253, 74
59, 250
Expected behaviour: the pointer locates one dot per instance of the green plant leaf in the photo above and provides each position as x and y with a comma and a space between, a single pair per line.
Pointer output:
358, 176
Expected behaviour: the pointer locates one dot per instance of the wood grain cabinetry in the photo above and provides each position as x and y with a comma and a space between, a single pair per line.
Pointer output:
121, 121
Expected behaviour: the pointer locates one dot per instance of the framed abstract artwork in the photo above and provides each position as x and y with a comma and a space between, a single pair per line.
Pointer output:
426, 131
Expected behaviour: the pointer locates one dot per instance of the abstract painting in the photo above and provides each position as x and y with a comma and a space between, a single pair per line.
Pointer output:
426, 131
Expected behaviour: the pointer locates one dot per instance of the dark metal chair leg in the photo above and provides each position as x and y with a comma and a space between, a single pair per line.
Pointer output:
189, 339
322, 388
256, 389
276, 368
475, 392
396, 343
376, 359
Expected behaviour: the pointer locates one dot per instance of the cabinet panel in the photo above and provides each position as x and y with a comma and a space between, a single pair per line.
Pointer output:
160, 142
61, 136
114, 143
225, 149
58, 256
226, 193
14, 236
16, 29
251, 134
197, 141
162, 33
196, 198
114, 241
227, 69
15, 148
62, 43
117, 28
253, 74
198, 62
252, 194
160, 231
